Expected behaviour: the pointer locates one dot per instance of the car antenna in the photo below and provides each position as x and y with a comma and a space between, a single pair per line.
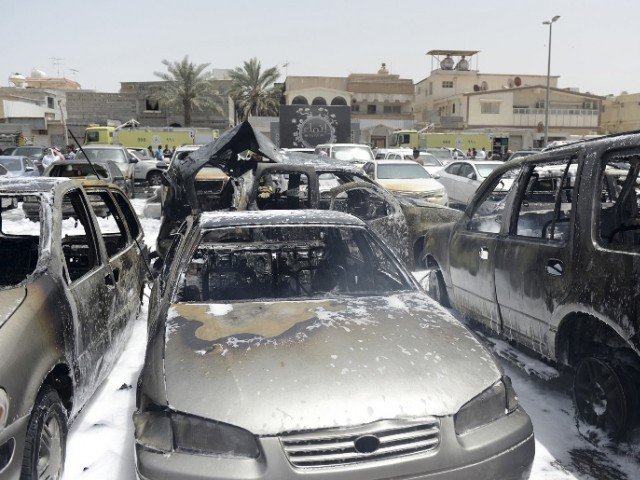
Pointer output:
85, 155
142, 253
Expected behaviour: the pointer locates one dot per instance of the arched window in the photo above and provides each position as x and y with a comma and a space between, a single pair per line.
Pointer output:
338, 101
319, 101
299, 100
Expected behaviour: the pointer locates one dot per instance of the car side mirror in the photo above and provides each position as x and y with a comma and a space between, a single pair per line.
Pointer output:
472, 176
133, 160
28, 169
162, 165
435, 175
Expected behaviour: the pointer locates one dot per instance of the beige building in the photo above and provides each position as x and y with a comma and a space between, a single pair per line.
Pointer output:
455, 97
621, 113
380, 102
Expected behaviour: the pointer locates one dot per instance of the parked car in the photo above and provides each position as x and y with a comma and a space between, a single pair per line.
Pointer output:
70, 284
406, 177
148, 170
19, 166
462, 178
553, 265
445, 155
290, 344
430, 163
183, 151
34, 152
107, 171
355, 153
125, 161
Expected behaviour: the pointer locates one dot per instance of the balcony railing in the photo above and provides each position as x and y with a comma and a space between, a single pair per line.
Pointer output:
558, 117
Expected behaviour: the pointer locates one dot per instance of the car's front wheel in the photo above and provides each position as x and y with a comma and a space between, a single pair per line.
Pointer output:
45, 442
154, 179
605, 394
437, 289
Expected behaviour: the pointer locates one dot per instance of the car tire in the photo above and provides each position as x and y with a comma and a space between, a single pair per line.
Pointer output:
45, 441
154, 179
605, 394
437, 289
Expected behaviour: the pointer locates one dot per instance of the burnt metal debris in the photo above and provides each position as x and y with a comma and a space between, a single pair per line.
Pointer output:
553, 264
70, 285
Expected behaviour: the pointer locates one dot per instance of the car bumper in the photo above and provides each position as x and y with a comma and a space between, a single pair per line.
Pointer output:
16, 431
503, 449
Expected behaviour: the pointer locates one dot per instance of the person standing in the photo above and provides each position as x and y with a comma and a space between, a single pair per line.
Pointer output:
158, 153
474, 153
481, 155
166, 152
48, 159
469, 153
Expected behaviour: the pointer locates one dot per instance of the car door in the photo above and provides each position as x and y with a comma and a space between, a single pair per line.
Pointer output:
532, 261
90, 283
122, 255
468, 182
472, 254
449, 178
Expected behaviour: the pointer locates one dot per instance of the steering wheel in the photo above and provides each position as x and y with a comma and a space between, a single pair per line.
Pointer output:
549, 222
622, 228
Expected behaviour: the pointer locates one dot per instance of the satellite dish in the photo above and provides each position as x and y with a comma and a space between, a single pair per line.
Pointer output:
476, 88
517, 81
485, 86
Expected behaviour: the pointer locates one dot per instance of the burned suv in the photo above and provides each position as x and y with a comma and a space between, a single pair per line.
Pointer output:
554, 263
70, 284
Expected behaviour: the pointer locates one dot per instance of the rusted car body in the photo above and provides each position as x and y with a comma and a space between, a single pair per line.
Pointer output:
294, 344
401, 221
554, 264
70, 283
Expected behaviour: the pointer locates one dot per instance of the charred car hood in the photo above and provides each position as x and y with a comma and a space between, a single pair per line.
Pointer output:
10, 300
272, 367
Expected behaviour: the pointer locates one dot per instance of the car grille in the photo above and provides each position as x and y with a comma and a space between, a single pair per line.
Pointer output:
325, 448
208, 187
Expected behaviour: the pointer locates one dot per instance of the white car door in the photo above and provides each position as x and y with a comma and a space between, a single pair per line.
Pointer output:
450, 179
467, 182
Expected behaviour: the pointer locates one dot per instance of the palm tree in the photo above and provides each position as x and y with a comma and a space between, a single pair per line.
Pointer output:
253, 90
187, 86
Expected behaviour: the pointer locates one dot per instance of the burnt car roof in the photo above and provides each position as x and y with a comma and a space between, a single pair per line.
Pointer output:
278, 217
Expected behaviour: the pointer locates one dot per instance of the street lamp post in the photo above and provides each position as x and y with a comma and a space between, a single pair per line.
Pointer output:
546, 103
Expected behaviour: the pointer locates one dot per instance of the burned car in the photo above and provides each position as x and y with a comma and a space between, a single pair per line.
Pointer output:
553, 264
294, 344
69, 286
268, 179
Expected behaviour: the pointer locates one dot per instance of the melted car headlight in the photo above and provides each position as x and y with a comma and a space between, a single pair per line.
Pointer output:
495, 402
166, 431
4, 408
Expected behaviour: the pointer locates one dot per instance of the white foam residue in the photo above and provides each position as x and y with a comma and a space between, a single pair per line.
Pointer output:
219, 309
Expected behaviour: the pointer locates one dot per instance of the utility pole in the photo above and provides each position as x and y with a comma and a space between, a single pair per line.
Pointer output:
546, 103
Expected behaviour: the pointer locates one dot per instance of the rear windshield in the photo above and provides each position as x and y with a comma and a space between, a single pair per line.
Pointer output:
81, 170
429, 160
11, 164
19, 238
441, 154
247, 263
103, 154
352, 153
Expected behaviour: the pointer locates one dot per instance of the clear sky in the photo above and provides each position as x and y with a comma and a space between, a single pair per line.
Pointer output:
595, 43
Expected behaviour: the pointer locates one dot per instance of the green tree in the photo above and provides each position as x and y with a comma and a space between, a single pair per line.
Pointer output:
253, 90
187, 87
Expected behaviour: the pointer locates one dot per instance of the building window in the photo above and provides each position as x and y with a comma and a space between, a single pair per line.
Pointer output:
50, 103
490, 107
371, 109
391, 109
453, 109
319, 101
430, 88
447, 84
299, 100
151, 105
355, 107
338, 101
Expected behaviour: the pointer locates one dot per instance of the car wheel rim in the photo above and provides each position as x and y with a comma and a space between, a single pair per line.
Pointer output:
600, 397
155, 180
50, 451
